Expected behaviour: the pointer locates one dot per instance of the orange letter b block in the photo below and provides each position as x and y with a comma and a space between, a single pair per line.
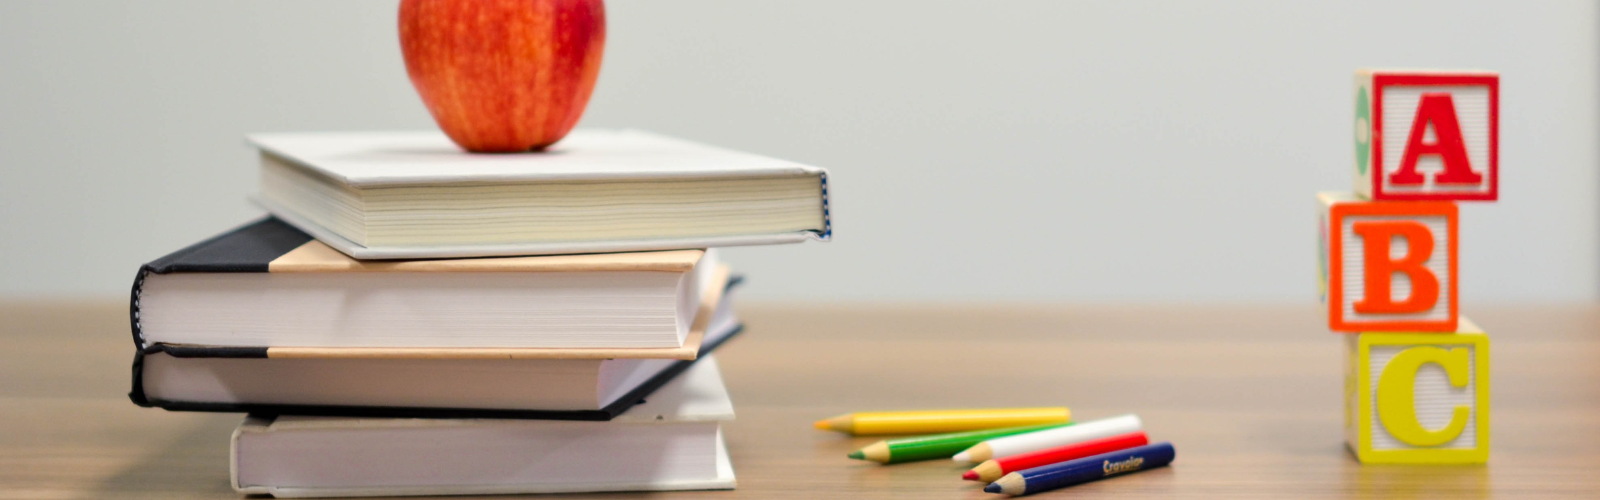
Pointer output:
1389, 266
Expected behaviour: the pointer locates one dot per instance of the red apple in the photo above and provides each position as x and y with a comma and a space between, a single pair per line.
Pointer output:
503, 76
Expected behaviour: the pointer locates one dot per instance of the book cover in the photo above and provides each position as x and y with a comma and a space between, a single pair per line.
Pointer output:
474, 205
671, 442
269, 284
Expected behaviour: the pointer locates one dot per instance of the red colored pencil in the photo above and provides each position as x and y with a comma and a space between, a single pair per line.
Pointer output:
992, 469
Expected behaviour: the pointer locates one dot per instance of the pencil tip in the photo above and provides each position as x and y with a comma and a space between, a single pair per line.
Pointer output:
991, 488
841, 423
970, 475
960, 457
858, 455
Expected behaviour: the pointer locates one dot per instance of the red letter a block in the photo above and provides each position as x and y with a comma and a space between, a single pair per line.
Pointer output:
1427, 135
1390, 266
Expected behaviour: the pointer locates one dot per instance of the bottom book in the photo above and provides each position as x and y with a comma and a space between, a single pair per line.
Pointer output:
672, 441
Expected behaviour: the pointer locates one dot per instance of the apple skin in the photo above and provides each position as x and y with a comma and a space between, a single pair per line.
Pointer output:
502, 76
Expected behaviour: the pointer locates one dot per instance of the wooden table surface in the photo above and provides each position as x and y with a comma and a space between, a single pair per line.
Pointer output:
1248, 395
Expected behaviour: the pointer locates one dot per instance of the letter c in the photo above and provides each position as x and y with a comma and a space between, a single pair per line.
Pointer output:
1397, 388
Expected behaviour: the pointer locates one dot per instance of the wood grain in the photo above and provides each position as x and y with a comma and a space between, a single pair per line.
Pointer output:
1249, 396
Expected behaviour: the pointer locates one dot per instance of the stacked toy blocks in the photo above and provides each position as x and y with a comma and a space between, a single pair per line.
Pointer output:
1416, 371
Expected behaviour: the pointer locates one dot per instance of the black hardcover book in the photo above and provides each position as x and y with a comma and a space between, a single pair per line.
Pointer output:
370, 378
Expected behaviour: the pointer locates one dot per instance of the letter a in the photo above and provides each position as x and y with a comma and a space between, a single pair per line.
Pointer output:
1438, 109
1380, 268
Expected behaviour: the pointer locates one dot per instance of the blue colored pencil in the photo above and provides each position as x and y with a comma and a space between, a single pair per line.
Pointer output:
1083, 470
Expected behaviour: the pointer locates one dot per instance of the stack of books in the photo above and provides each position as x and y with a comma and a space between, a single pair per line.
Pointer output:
415, 320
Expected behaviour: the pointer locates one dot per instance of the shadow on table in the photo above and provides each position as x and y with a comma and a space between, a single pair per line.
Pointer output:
195, 465
1418, 481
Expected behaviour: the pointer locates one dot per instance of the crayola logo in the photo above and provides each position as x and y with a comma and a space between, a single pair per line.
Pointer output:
1128, 465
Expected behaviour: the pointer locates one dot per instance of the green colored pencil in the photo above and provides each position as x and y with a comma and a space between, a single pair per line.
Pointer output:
934, 446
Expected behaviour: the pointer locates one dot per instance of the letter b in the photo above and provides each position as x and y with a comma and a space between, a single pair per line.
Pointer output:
1380, 268
1369, 287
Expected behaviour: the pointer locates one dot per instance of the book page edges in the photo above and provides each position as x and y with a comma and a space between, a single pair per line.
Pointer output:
359, 251
317, 257
689, 350
725, 480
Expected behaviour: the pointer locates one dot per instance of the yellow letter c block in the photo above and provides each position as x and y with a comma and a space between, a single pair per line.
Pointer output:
1397, 390
1395, 404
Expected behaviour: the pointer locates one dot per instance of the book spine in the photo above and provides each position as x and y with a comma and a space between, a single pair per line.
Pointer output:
827, 213
133, 307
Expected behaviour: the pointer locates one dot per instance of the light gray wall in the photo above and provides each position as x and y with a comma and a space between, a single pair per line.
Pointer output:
1041, 150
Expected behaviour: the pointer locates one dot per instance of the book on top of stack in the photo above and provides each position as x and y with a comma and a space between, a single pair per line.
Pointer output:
407, 305
416, 195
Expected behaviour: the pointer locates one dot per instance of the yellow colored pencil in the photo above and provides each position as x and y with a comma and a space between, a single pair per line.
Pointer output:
935, 421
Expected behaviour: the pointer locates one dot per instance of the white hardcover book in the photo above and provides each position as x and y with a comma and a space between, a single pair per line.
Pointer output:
406, 195
673, 441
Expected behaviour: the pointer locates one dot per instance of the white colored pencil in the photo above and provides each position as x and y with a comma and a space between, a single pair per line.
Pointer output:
1049, 438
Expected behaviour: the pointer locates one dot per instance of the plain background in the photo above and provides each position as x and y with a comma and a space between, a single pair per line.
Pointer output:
980, 151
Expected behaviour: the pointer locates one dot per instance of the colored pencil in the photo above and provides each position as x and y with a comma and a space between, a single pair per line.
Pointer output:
1083, 470
1049, 438
993, 469
929, 447
935, 421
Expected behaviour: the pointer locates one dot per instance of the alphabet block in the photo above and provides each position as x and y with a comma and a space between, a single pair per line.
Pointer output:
1427, 135
1388, 266
1418, 398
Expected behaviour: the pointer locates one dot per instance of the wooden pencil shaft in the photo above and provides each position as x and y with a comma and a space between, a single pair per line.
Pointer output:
1005, 465
944, 445
938, 421
877, 452
988, 471
1083, 470
1012, 484
1049, 438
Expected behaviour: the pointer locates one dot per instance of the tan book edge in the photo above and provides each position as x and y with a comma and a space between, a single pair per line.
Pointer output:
689, 350
316, 257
